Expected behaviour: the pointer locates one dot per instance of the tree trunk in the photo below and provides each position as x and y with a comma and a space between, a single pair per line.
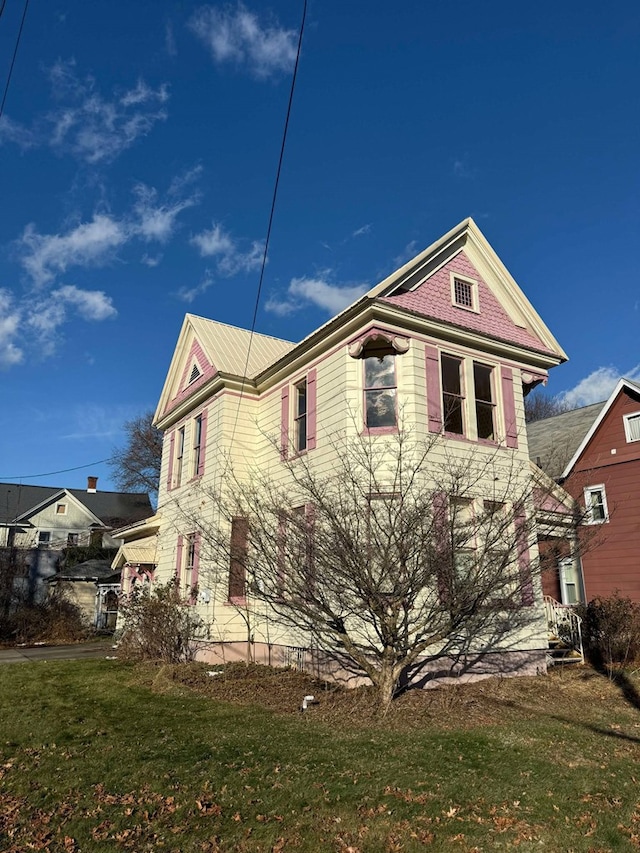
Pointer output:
386, 687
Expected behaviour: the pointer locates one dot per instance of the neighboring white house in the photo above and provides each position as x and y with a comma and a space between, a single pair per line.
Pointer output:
445, 348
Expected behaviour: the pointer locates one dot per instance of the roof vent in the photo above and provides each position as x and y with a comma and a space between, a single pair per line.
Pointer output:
92, 484
195, 373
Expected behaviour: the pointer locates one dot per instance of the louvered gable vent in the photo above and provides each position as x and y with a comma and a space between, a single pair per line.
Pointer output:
195, 373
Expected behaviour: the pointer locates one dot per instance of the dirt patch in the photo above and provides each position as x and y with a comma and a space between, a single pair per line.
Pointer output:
565, 694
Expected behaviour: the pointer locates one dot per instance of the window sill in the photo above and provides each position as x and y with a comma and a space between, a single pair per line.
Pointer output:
236, 601
381, 430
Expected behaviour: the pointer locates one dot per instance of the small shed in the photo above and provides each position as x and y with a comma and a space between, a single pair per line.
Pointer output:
94, 586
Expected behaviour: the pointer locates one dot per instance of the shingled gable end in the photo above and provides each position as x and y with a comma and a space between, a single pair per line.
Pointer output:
252, 401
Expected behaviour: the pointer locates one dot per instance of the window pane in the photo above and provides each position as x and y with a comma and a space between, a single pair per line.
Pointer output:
451, 375
301, 433
380, 371
482, 382
484, 417
301, 399
633, 426
381, 408
453, 414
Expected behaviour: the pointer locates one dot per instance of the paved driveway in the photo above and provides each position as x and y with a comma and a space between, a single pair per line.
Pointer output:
78, 651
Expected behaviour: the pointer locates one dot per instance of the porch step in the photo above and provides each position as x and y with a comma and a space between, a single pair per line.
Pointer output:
561, 653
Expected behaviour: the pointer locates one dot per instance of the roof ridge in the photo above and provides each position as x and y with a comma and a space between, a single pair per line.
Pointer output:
240, 329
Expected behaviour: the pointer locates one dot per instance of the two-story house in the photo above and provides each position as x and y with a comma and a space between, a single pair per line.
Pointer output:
594, 452
443, 350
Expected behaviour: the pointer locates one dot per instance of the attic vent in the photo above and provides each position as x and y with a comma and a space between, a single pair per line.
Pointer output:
463, 293
195, 373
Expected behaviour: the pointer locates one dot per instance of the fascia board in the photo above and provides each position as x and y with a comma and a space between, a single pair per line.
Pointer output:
622, 383
484, 256
42, 505
177, 358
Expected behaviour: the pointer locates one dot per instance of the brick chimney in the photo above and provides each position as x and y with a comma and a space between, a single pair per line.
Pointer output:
92, 484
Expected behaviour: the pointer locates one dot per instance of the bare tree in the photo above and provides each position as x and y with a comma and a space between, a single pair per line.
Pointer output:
136, 466
401, 556
538, 405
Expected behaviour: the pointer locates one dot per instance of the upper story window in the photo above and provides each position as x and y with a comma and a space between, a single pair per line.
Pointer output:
632, 426
179, 456
61, 509
485, 404
380, 387
464, 292
595, 501
197, 445
300, 416
452, 394
44, 538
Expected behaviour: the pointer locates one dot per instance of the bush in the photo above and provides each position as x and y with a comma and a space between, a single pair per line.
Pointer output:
611, 630
54, 620
157, 625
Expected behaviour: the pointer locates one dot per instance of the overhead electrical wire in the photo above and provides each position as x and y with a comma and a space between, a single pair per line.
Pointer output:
51, 473
271, 215
15, 53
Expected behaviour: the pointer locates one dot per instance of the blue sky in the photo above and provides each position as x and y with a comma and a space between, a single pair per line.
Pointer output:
138, 151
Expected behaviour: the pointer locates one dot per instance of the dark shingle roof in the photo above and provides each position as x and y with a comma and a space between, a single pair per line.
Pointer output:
114, 509
87, 571
553, 441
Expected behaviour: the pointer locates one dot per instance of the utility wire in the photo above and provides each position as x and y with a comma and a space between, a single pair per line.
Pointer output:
51, 473
271, 215
15, 53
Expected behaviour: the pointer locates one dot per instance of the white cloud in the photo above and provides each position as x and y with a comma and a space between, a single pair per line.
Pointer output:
409, 251
91, 304
10, 353
597, 386
94, 128
157, 221
90, 243
13, 131
331, 298
360, 232
230, 259
188, 294
151, 260
236, 35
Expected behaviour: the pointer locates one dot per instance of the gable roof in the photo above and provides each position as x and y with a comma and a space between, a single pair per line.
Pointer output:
623, 384
422, 286
554, 441
216, 348
111, 508
507, 316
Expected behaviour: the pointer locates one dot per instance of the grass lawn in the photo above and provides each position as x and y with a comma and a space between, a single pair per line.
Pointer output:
106, 756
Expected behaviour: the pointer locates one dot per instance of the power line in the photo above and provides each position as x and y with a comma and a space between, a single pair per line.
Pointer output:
15, 53
271, 215
51, 473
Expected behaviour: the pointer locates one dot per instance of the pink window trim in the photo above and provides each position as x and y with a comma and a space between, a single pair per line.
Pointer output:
311, 409
195, 568
524, 562
235, 601
203, 442
509, 404
381, 430
434, 396
284, 423
179, 559
172, 439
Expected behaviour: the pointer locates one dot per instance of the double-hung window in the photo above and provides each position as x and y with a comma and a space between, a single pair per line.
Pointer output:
300, 416
188, 576
452, 394
485, 405
179, 456
632, 427
197, 445
595, 500
380, 388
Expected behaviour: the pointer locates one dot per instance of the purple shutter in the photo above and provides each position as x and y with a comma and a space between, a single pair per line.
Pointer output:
238, 558
172, 439
195, 568
508, 401
311, 409
203, 442
179, 560
434, 397
524, 564
284, 423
